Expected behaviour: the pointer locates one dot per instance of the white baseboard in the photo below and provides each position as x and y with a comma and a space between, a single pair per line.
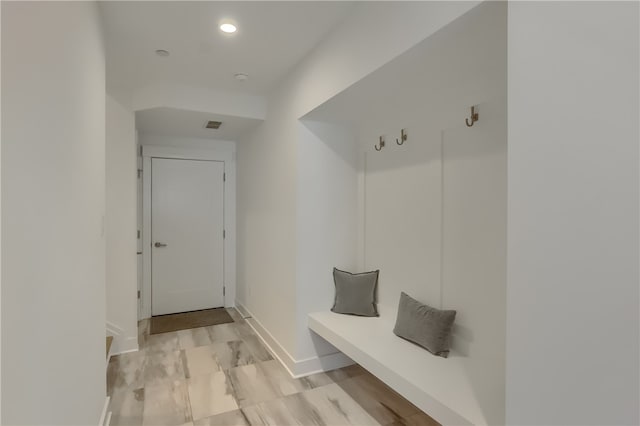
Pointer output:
113, 329
121, 343
243, 311
105, 416
297, 368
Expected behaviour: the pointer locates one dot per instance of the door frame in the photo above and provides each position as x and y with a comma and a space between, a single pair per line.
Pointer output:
229, 250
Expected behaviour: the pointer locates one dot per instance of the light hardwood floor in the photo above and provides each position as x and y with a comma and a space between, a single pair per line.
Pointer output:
222, 375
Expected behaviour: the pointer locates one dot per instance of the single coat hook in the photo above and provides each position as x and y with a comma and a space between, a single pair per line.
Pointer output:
381, 143
474, 117
403, 137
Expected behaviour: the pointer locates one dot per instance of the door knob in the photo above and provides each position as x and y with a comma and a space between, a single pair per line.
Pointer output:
160, 245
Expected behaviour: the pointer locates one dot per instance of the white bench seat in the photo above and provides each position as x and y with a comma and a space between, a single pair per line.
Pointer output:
438, 386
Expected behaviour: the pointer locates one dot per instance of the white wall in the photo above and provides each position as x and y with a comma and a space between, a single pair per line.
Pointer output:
53, 203
573, 325
276, 283
402, 186
186, 142
327, 220
373, 34
266, 225
433, 210
0, 225
121, 227
199, 99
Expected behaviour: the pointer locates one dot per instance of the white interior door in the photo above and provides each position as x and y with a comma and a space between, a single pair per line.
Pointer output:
187, 222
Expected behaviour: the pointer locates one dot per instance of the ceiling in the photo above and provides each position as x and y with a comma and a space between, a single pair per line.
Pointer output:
191, 124
271, 38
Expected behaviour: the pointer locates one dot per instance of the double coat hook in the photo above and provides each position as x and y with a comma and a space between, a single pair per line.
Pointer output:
381, 143
403, 137
474, 117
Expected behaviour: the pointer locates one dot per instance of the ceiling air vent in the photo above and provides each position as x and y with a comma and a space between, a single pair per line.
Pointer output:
213, 124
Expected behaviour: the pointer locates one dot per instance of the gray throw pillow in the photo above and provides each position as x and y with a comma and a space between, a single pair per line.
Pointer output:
355, 293
426, 326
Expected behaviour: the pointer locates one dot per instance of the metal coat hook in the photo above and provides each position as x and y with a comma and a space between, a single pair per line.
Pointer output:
474, 117
381, 143
403, 137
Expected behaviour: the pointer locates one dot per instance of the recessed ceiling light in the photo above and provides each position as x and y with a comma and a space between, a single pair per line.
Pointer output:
228, 27
162, 52
241, 76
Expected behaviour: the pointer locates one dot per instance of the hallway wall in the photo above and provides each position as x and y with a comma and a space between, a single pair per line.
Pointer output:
53, 206
434, 209
121, 226
573, 325
281, 153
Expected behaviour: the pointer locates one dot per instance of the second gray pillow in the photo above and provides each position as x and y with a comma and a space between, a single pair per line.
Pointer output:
426, 326
355, 293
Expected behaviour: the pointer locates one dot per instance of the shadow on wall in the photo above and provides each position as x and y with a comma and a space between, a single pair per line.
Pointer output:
339, 138
327, 205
